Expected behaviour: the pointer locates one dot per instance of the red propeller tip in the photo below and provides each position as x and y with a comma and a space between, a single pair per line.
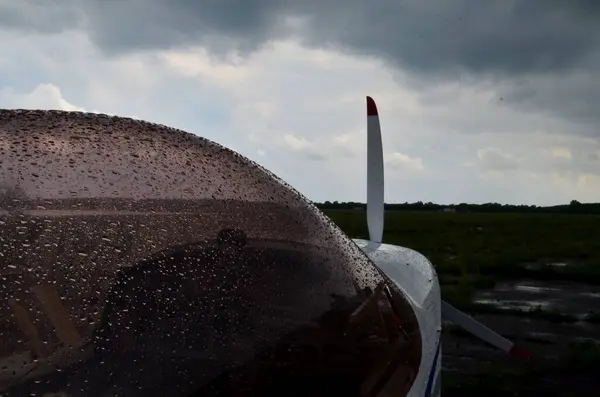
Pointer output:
371, 107
518, 351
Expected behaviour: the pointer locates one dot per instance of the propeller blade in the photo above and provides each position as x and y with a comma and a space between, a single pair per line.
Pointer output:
375, 182
474, 327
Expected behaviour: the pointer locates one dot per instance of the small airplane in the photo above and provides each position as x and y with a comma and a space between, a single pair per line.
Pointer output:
142, 260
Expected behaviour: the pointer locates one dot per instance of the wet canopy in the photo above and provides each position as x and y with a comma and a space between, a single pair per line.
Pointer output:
138, 259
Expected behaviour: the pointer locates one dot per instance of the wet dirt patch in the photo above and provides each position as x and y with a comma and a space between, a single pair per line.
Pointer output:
473, 368
571, 298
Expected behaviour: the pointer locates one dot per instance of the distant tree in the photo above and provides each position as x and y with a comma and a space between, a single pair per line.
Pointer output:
574, 207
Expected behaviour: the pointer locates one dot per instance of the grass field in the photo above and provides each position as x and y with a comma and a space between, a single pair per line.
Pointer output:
476, 249
476, 243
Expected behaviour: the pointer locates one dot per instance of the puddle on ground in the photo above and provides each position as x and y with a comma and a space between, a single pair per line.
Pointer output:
572, 298
540, 265
515, 305
544, 339
557, 264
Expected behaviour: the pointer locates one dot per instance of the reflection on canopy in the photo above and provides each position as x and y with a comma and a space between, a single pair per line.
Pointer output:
144, 260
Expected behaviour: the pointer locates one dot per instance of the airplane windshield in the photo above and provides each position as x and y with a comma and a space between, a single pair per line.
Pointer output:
141, 260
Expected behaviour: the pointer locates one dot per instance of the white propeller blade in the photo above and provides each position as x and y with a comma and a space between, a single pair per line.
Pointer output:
471, 325
375, 183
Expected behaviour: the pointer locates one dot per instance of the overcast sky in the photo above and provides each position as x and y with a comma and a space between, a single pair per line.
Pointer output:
480, 101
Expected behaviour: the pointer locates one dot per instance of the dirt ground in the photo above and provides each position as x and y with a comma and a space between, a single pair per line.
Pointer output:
472, 368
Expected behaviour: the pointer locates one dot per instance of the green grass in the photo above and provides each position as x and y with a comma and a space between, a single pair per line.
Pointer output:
483, 245
474, 250
584, 354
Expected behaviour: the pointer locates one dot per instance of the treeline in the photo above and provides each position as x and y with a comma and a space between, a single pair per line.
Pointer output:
574, 207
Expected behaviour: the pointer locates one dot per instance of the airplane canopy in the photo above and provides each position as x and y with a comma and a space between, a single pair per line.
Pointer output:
138, 259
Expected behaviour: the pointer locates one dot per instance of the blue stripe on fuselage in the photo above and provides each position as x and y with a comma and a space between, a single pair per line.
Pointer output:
433, 367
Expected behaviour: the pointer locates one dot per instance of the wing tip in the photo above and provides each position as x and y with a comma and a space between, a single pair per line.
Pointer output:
371, 107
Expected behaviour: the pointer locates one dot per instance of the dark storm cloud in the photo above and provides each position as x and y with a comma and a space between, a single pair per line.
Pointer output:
122, 26
514, 42
511, 37
574, 96
482, 37
425, 36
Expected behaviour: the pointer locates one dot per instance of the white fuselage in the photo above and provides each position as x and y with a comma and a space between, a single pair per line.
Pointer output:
416, 278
